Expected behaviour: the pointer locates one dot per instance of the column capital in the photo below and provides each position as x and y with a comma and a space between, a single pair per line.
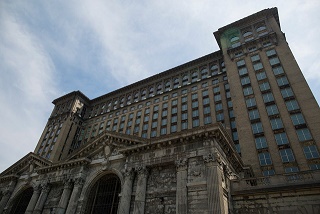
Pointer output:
128, 173
181, 164
142, 170
212, 157
45, 187
36, 187
78, 182
67, 184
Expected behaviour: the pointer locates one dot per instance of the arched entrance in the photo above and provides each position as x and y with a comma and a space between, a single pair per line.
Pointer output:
104, 195
20, 204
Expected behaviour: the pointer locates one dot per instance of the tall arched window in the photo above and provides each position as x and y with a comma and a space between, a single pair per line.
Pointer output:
176, 83
185, 80
167, 86
104, 195
20, 204
235, 41
204, 73
194, 76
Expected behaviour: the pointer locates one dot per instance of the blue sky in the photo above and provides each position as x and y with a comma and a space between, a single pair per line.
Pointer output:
50, 48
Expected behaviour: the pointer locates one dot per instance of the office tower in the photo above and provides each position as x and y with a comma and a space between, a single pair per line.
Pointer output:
235, 131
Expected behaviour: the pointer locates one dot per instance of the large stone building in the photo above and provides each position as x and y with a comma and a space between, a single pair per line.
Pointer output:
235, 131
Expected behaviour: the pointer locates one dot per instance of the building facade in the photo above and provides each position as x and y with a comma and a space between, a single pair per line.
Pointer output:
235, 131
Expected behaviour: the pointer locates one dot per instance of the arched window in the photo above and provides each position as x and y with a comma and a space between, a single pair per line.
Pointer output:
235, 41
136, 97
261, 30
176, 83
129, 100
151, 91
204, 73
185, 80
214, 69
104, 195
20, 204
121, 101
159, 88
194, 76
167, 86
144, 94
248, 35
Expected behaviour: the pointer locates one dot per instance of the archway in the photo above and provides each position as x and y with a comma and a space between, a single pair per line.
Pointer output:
104, 195
20, 204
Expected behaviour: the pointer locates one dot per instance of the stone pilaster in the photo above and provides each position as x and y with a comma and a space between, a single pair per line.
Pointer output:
214, 183
42, 199
63, 203
34, 199
73, 202
4, 200
182, 191
140, 199
124, 206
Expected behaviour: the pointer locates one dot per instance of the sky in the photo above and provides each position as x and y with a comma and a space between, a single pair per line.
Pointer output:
50, 48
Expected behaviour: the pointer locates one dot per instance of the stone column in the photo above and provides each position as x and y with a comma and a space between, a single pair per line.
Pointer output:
124, 205
4, 200
75, 195
214, 183
182, 192
63, 203
42, 199
34, 199
140, 199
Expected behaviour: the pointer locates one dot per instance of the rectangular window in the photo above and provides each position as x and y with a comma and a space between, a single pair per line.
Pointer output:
216, 90
257, 128
304, 134
251, 102
155, 116
243, 71
261, 142
195, 113
264, 86
184, 99
184, 125
165, 105
195, 123
271, 52
231, 114
286, 155
215, 81
287, 92
292, 105
291, 169
217, 97
311, 152
184, 107
277, 70
174, 102
194, 96
230, 104
218, 106
207, 120
261, 76
195, 104
255, 58
281, 138
173, 128
206, 101
206, 110
297, 119
274, 61
174, 119
282, 81
265, 159
276, 123
267, 97
220, 117
205, 93
268, 172
272, 110
245, 80
163, 131
154, 124
258, 66
174, 110
235, 136
241, 63
164, 113
153, 133
247, 91
184, 116
233, 124
163, 122
254, 114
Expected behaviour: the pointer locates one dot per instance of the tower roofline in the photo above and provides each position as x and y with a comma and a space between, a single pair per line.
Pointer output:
254, 17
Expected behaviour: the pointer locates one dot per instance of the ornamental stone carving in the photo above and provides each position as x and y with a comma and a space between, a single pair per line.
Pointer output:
181, 164
212, 157
78, 182
142, 170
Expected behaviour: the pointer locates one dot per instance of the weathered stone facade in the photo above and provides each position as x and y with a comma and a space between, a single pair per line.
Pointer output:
235, 131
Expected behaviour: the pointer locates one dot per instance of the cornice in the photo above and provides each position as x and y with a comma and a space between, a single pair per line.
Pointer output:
64, 165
